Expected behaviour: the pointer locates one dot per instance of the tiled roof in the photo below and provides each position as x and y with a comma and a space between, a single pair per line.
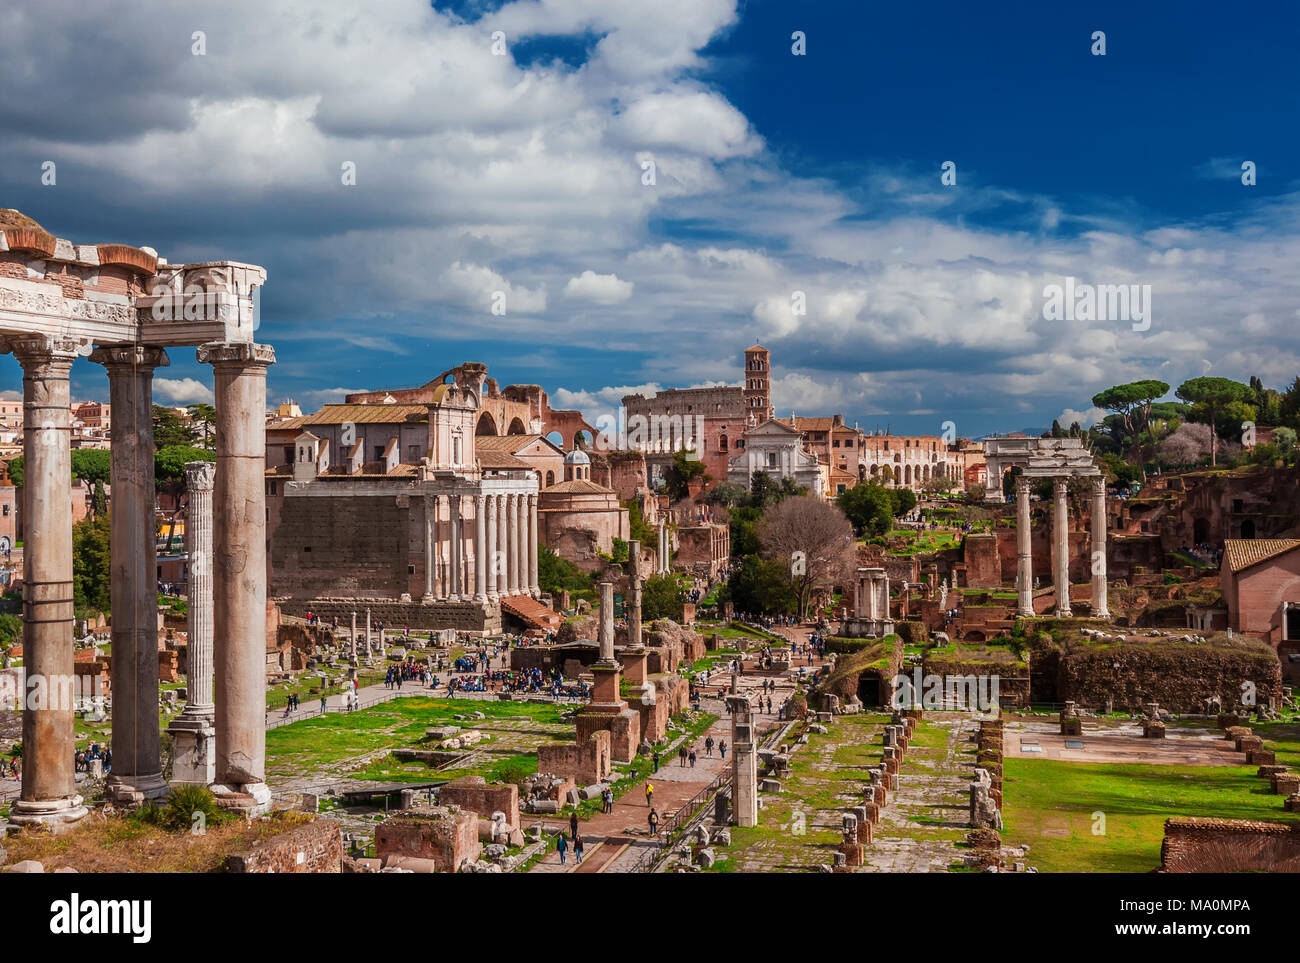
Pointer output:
810, 424
1245, 552
580, 486
497, 459
358, 414
507, 443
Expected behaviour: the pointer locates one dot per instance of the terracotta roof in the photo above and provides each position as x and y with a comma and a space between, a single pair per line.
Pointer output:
1244, 552
498, 459
360, 414
507, 443
810, 424
580, 486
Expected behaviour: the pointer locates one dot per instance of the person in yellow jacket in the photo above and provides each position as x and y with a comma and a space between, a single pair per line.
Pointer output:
649, 793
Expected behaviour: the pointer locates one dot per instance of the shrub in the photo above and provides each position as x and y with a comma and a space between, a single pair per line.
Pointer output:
912, 633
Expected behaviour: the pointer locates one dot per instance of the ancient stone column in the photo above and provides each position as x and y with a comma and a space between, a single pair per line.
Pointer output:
368, 633
1099, 607
1024, 550
521, 503
193, 735
49, 793
430, 552
239, 575
491, 562
352, 638
481, 561
634, 593
457, 550
605, 630
137, 768
512, 553
534, 589
501, 558
744, 759
1061, 536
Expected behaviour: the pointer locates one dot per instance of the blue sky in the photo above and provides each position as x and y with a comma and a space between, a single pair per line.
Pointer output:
775, 174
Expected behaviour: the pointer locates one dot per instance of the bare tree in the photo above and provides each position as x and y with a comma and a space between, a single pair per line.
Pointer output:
814, 539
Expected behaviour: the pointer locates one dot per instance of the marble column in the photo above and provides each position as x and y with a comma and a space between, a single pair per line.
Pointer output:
1061, 538
239, 575
193, 734
515, 552
1100, 610
534, 588
430, 553
503, 546
521, 555
482, 561
368, 653
137, 767
605, 627
457, 549
494, 553
352, 638
1024, 550
49, 792
634, 593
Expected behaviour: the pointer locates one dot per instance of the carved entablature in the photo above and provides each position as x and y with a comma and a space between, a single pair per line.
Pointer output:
91, 293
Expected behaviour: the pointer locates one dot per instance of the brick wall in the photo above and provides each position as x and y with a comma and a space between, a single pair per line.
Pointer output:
315, 847
356, 546
474, 794
1193, 845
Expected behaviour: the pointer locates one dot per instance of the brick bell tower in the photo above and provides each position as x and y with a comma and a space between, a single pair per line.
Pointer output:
758, 390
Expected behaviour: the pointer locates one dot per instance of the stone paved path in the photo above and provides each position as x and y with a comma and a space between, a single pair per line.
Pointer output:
918, 830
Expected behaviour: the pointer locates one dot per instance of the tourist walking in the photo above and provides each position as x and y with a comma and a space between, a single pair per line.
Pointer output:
692, 757
608, 797
577, 850
649, 794
573, 825
653, 819
722, 748
655, 757
562, 847
708, 746
681, 755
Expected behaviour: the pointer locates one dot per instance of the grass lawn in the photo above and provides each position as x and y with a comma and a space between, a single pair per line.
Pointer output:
1049, 805
323, 740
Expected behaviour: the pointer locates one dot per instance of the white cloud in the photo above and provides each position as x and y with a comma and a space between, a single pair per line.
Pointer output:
1086, 418
183, 391
599, 288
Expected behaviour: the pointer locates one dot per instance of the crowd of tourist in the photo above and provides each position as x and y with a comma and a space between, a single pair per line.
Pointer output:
84, 757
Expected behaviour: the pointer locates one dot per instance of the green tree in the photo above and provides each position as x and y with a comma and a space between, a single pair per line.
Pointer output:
91, 568
760, 586
872, 508
205, 416
638, 528
681, 472
662, 598
1214, 395
169, 429
1132, 402
555, 574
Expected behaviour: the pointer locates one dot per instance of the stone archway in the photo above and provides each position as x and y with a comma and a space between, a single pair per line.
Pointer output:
517, 427
1200, 531
486, 425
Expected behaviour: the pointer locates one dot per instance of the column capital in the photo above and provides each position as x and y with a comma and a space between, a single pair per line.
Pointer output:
1023, 484
1099, 484
45, 349
200, 475
1060, 485
130, 356
239, 353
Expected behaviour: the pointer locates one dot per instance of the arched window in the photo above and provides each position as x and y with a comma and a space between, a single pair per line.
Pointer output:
550, 479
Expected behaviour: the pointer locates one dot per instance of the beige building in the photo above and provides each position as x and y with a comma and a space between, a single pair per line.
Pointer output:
579, 518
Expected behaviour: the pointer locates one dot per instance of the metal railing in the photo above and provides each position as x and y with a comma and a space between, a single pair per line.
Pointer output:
679, 823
